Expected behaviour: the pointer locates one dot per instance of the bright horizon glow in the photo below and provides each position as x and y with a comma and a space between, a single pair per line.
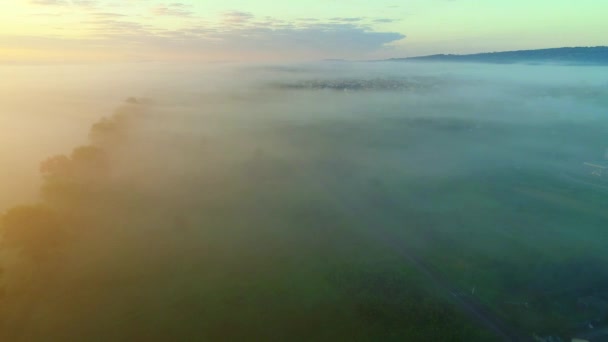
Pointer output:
33, 31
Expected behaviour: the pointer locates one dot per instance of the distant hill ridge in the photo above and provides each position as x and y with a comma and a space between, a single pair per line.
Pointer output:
597, 55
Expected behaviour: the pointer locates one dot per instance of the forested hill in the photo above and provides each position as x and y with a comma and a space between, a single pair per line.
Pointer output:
567, 55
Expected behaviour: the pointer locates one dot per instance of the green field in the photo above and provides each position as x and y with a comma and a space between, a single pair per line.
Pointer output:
391, 225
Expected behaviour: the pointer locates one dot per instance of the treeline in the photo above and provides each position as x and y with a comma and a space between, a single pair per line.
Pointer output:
34, 234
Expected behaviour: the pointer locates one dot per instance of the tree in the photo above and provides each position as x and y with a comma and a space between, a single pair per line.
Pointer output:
71, 178
35, 230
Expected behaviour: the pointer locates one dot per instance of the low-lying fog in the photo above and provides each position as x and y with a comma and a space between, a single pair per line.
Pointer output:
325, 201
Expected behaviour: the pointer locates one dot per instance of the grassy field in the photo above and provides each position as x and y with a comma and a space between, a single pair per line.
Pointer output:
411, 228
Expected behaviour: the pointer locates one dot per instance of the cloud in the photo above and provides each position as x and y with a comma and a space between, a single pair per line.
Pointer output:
79, 3
236, 35
48, 2
175, 9
108, 15
349, 20
113, 28
385, 20
320, 41
84, 3
308, 19
236, 17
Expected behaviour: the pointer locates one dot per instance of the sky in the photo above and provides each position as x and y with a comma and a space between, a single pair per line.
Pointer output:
64, 31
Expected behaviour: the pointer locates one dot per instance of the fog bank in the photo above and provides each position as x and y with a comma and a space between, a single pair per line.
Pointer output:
166, 201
